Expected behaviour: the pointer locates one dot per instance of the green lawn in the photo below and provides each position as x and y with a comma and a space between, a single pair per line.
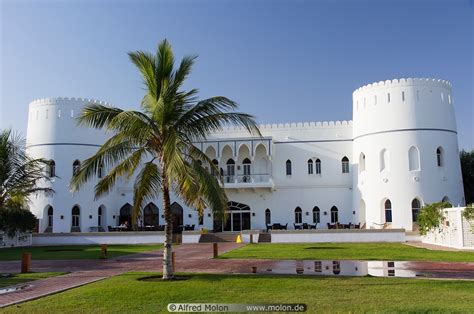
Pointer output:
74, 251
21, 278
346, 251
126, 294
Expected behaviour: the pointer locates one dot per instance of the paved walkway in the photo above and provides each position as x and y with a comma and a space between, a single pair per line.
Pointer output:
82, 272
189, 258
436, 247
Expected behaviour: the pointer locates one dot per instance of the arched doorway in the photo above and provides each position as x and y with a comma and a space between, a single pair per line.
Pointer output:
76, 219
177, 217
150, 215
126, 215
101, 217
388, 211
238, 218
49, 215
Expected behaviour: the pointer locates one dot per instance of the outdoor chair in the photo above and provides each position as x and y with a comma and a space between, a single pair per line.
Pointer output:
109, 228
298, 227
269, 227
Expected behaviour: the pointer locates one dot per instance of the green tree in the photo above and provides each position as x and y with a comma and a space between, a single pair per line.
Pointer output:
157, 142
20, 177
15, 218
467, 169
431, 216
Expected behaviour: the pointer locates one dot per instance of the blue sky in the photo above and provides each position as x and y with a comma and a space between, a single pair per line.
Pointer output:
282, 61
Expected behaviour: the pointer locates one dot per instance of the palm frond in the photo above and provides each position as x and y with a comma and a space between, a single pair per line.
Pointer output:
124, 169
97, 116
146, 188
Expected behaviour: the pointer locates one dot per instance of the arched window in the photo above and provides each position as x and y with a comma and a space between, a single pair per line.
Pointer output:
334, 215
76, 219
288, 167
316, 215
150, 215
336, 267
446, 200
50, 217
230, 170
298, 215
345, 164
361, 162
413, 159
440, 156
246, 164
214, 170
100, 215
388, 211
415, 209
384, 160
76, 166
51, 169
310, 166
268, 216
100, 171
318, 166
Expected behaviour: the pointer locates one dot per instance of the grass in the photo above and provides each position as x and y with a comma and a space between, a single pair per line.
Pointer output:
22, 278
127, 294
346, 251
74, 251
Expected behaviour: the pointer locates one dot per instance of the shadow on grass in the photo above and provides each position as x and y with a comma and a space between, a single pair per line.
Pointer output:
374, 281
325, 248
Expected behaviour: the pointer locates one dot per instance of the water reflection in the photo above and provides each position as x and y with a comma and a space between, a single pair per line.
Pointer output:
342, 268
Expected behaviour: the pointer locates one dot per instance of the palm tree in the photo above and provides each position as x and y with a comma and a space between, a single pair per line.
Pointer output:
158, 142
20, 175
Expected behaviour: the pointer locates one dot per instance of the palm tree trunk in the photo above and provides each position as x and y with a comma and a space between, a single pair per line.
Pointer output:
167, 262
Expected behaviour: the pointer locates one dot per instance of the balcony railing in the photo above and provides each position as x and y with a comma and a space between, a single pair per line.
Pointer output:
247, 178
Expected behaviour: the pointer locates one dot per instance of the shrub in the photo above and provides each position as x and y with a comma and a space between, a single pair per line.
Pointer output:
468, 213
431, 216
14, 218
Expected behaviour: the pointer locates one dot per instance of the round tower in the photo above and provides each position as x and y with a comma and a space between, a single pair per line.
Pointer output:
405, 150
53, 134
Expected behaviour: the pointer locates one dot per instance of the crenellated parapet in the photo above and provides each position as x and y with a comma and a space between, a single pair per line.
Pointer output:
294, 126
404, 82
61, 100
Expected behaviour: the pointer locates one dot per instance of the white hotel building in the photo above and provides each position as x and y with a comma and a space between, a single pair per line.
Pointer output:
399, 152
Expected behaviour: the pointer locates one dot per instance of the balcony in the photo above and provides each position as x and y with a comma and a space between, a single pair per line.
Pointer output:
242, 181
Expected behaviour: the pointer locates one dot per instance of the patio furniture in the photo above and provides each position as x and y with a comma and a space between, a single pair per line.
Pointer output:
357, 226
278, 226
298, 226
305, 225
312, 226
188, 227
110, 229
269, 227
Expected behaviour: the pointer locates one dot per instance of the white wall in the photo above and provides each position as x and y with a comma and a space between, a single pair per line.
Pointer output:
343, 235
423, 119
99, 238
455, 232
21, 239
420, 114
